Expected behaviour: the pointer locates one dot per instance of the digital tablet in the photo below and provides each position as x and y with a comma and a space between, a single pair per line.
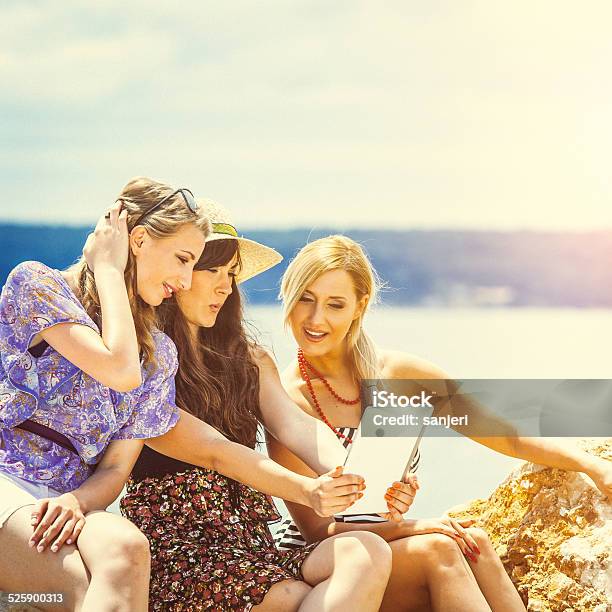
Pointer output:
381, 461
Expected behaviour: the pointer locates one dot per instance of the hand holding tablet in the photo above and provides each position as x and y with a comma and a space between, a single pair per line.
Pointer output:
399, 497
385, 460
381, 461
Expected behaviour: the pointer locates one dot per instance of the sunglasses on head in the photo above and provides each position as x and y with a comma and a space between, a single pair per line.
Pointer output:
188, 199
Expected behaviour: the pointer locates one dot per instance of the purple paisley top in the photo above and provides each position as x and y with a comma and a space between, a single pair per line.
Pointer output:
54, 392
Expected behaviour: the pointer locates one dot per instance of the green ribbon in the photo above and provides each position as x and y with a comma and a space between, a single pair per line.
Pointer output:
225, 228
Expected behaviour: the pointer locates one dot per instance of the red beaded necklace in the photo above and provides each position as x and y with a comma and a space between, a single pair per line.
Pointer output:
304, 366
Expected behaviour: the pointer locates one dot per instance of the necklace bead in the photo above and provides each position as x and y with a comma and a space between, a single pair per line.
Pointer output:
303, 364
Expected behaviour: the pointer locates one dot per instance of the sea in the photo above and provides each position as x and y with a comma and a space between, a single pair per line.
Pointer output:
514, 343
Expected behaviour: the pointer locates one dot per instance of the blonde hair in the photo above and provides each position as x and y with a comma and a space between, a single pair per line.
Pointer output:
139, 196
337, 253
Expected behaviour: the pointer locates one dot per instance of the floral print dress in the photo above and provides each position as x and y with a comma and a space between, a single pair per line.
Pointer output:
211, 546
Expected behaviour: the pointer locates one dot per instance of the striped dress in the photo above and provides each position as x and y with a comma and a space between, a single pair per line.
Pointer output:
288, 535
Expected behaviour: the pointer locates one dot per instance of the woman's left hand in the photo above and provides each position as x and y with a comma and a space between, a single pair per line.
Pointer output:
465, 541
56, 520
602, 477
399, 498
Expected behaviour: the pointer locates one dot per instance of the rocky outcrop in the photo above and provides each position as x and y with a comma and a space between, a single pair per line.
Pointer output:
553, 532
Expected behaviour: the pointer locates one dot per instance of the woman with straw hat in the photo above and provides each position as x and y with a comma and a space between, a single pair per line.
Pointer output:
210, 543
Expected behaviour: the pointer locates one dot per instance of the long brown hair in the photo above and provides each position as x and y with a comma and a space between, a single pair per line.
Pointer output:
139, 196
217, 379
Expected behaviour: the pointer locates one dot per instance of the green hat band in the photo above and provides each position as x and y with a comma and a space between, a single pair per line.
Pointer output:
225, 228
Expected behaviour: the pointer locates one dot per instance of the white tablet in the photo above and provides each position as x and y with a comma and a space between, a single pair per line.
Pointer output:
381, 461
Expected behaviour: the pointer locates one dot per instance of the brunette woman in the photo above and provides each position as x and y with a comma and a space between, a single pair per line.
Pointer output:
210, 542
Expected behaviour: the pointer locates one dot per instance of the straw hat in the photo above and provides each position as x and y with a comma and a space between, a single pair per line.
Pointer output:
255, 257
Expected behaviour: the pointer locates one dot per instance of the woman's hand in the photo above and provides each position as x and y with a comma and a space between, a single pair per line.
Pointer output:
58, 520
333, 492
446, 525
399, 498
602, 476
108, 244
466, 542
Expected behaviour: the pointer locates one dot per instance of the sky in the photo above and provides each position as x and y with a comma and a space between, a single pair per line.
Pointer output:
349, 114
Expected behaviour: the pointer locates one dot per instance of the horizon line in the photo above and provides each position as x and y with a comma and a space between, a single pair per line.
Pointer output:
344, 230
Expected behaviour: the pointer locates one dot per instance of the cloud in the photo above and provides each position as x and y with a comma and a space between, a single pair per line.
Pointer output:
443, 113
44, 61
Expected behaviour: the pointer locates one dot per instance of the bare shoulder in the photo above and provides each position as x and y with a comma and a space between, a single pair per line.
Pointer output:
262, 356
295, 386
398, 364
290, 377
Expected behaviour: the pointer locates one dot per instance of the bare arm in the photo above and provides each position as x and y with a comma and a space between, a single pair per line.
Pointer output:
310, 439
565, 455
551, 452
196, 442
103, 487
543, 451
59, 520
112, 359
311, 526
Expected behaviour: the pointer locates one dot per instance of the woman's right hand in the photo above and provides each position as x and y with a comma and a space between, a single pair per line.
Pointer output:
333, 492
108, 244
453, 528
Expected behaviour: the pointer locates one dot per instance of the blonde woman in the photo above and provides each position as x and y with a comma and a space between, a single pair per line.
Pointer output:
326, 291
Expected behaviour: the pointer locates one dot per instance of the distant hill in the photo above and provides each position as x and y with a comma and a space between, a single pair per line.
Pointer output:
471, 268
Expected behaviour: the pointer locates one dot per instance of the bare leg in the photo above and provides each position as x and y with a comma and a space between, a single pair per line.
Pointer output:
23, 569
348, 572
430, 573
492, 578
109, 570
117, 556
285, 596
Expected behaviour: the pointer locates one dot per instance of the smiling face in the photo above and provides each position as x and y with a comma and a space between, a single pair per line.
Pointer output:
165, 265
323, 315
210, 288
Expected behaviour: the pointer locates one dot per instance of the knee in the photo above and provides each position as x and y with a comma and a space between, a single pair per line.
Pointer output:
297, 593
481, 537
286, 595
127, 553
133, 546
370, 550
437, 549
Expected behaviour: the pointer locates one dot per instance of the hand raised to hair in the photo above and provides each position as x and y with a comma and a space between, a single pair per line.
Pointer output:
109, 242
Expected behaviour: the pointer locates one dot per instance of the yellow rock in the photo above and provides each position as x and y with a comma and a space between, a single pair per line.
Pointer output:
553, 532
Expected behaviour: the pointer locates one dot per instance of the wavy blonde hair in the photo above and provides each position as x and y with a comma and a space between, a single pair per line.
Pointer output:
337, 253
139, 196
